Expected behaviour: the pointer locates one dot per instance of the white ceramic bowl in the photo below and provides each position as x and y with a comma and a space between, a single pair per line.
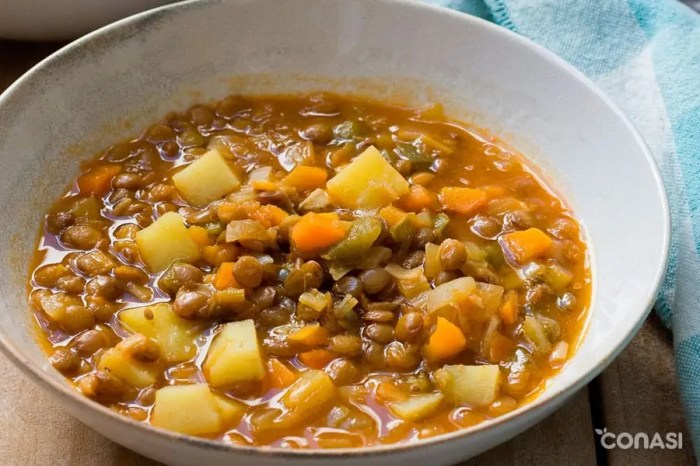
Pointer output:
107, 85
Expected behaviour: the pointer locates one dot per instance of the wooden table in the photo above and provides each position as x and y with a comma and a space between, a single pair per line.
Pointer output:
637, 393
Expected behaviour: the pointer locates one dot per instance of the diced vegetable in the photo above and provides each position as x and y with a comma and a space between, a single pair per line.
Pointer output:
440, 222
454, 292
316, 358
368, 182
403, 230
524, 246
245, 230
411, 282
269, 214
424, 219
559, 353
98, 180
475, 252
490, 296
230, 410
431, 264
534, 331
175, 336
305, 400
315, 299
510, 279
473, 385
206, 179
260, 174
416, 199
430, 141
265, 185
317, 200
120, 363
350, 129
375, 257
279, 374
392, 215
317, 231
509, 310
362, 234
465, 201
387, 392
414, 154
165, 241
309, 335
305, 178
446, 341
338, 271
234, 355
504, 205
224, 277
557, 277
199, 235
416, 407
308, 396
193, 410
230, 297
345, 306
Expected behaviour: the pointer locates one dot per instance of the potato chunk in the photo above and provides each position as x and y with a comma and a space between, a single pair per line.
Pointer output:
165, 241
416, 407
368, 182
174, 335
234, 355
119, 362
472, 385
194, 410
206, 179
452, 293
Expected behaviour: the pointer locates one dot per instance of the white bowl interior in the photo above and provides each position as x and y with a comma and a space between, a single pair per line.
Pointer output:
112, 83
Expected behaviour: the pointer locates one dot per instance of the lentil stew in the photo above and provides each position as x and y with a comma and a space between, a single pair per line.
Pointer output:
310, 271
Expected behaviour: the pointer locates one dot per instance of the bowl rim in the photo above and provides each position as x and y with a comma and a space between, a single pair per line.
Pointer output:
547, 399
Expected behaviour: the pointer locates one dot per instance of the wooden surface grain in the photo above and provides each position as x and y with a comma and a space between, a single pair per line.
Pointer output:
637, 393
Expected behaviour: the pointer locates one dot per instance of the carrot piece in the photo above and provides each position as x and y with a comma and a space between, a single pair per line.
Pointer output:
392, 215
98, 180
262, 185
509, 310
228, 211
463, 201
317, 231
388, 392
523, 246
279, 374
224, 277
309, 335
199, 235
305, 178
269, 214
500, 347
416, 199
446, 340
316, 358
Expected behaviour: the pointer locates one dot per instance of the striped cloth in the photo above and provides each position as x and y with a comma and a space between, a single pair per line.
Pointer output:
645, 54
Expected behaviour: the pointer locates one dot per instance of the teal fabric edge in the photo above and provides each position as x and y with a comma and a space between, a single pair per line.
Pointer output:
501, 14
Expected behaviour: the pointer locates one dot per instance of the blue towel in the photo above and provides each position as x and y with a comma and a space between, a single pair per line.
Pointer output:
645, 54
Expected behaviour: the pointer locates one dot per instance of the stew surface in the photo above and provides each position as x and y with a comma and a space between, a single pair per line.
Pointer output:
309, 272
